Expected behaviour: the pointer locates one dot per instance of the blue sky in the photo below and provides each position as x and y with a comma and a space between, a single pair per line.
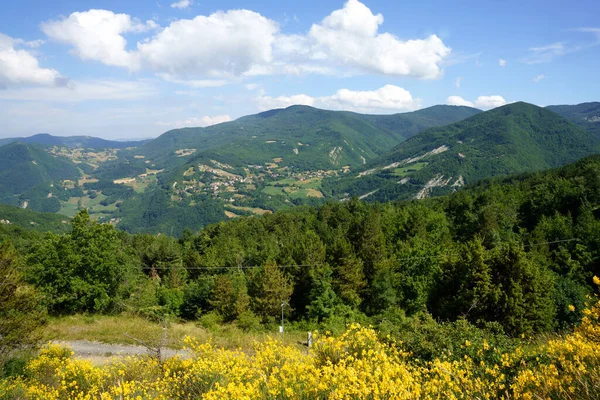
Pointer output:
134, 69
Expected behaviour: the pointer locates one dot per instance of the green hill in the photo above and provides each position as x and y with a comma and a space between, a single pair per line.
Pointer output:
31, 177
17, 218
586, 115
518, 137
302, 136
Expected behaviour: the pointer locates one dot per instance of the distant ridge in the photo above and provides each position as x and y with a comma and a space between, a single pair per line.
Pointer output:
518, 137
31, 177
586, 115
355, 137
46, 139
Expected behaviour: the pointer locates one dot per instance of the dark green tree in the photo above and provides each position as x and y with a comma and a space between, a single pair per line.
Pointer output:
21, 308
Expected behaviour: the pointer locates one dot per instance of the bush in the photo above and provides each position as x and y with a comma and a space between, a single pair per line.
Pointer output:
210, 320
248, 321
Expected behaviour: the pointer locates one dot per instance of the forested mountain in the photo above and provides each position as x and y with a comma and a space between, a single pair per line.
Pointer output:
15, 219
30, 176
518, 137
279, 159
302, 136
586, 115
45, 139
518, 253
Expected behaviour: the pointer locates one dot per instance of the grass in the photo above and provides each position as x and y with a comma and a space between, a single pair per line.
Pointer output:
254, 210
314, 183
295, 189
112, 330
304, 193
401, 172
273, 191
71, 207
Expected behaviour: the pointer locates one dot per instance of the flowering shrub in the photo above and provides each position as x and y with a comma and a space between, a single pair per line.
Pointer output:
354, 365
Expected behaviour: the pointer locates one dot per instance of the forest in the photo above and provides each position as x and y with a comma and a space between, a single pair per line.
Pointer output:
504, 259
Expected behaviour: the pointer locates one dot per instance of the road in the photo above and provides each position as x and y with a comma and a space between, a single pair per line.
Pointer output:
100, 353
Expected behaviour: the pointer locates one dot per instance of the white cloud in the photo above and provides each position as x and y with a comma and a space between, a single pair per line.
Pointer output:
538, 78
546, 53
237, 44
387, 99
268, 103
349, 37
222, 45
483, 102
595, 31
217, 119
78, 91
20, 67
97, 35
458, 101
195, 122
502, 62
183, 4
458, 81
487, 102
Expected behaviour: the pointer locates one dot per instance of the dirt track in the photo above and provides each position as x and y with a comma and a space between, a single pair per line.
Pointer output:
100, 353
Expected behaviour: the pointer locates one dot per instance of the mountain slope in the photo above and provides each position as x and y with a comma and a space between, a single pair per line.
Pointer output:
28, 175
302, 136
17, 218
586, 115
518, 137
45, 139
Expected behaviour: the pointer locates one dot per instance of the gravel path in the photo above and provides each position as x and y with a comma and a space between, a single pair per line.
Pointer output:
100, 353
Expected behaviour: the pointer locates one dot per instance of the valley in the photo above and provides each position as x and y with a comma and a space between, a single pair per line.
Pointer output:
296, 156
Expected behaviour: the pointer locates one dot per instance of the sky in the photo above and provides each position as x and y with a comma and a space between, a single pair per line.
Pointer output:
127, 69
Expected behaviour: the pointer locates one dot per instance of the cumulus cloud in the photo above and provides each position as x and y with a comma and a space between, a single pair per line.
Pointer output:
183, 4
268, 102
195, 122
458, 101
223, 44
483, 102
97, 35
502, 62
349, 37
20, 67
242, 43
538, 78
487, 102
387, 99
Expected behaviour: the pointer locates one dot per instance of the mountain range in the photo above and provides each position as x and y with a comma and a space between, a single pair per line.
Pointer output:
302, 136
280, 158
586, 115
517, 137
46, 139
